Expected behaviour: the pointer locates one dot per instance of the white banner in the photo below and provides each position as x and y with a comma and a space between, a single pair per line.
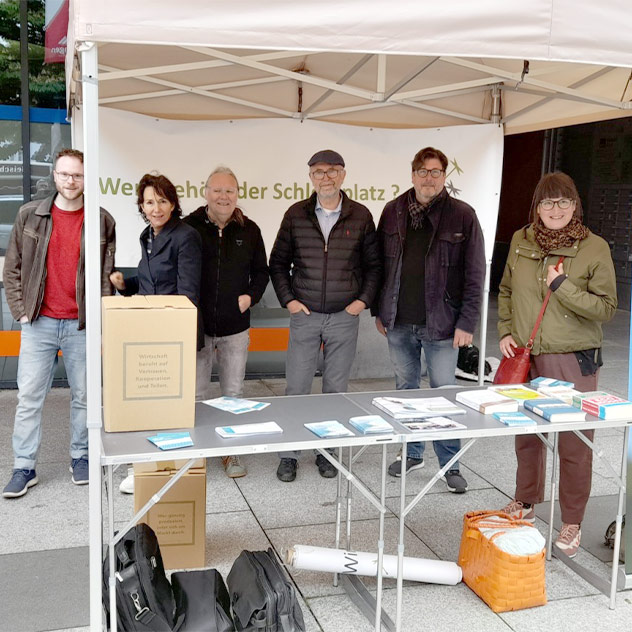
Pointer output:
315, 558
270, 159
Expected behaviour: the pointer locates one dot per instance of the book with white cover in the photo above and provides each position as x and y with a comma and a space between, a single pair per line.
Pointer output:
537, 382
564, 393
411, 408
242, 430
371, 424
487, 401
331, 428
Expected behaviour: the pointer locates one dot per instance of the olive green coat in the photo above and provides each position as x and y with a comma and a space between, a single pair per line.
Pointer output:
573, 317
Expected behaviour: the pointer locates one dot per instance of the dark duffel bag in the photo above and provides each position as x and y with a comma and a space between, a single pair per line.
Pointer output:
144, 598
261, 596
202, 601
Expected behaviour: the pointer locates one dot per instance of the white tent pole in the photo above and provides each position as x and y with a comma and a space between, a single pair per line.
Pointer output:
482, 347
92, 239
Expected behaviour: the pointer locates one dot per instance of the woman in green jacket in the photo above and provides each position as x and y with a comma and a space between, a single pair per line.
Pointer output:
568, 343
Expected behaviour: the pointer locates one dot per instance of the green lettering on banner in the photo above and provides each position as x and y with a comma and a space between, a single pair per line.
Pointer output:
108, 187
127, 188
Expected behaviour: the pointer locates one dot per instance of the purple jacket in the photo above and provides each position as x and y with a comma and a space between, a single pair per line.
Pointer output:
455, 265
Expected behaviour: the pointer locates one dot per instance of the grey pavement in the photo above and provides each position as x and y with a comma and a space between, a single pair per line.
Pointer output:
43, 548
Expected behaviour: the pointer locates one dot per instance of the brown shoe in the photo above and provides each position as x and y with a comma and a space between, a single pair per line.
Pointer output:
233, 467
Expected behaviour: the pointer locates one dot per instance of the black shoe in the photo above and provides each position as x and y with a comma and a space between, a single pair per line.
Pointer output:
395, 469
286, 471
325, 468
455, 482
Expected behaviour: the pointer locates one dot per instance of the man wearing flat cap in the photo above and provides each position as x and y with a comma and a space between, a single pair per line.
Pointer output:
325, 269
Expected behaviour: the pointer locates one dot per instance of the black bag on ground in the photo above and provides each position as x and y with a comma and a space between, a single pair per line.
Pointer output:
262, 597
468, 360
202, 601
144, 598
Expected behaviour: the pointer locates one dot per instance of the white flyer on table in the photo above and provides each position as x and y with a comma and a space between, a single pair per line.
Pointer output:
235, 405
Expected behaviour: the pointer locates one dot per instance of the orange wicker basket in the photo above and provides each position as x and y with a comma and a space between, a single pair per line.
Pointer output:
503, 581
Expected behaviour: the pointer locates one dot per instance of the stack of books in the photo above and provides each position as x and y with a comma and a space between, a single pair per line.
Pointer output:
330, 428
554, 410
488, 401
412, 408
603, 405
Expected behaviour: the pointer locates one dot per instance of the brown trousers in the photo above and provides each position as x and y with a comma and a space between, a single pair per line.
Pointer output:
574, 455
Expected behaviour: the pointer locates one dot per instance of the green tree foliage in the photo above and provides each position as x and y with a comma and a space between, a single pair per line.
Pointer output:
46, 81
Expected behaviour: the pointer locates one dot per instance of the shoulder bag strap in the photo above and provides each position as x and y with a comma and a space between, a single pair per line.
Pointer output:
541, 314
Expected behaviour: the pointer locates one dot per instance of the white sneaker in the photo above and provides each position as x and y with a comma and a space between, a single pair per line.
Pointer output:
127, 485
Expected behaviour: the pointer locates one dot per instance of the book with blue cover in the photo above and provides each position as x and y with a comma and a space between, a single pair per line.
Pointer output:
171, 440
242, 430
331, 428
514, 419
554, 410
235, 405
371, 424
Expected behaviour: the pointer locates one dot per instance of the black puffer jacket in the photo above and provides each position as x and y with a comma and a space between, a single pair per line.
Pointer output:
325, 277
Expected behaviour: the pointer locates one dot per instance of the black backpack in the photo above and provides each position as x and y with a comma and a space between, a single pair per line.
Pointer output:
261, 596
468, 360
202, 601
144, 598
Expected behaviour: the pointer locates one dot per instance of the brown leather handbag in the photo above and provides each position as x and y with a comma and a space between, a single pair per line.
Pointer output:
516, 370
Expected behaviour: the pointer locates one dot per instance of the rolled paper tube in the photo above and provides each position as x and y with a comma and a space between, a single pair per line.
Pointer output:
314, 558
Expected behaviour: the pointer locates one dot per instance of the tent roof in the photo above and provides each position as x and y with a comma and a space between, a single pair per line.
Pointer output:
363, 62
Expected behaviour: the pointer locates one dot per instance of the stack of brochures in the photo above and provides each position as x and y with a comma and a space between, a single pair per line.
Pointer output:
331, 428
554, 410
433, 423
603, 405
487, 401
171, 440
411, 408
235, 405
371, 424
514, 419
537, 382
242, 430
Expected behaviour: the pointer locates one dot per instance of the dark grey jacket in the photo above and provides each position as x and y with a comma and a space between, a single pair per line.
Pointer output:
24, 275
325, 277
455, 265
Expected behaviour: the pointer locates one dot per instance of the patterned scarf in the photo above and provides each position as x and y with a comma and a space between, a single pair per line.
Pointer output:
549, 239
417, 211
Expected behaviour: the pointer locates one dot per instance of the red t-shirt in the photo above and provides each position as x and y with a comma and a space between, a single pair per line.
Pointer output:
62, 258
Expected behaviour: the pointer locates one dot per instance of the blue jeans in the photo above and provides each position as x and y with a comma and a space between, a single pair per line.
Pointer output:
232, 353
405, 343
41, 341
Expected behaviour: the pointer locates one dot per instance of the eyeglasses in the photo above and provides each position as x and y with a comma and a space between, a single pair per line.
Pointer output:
229, 192
319, 174
435, 173
63, 176
563, 204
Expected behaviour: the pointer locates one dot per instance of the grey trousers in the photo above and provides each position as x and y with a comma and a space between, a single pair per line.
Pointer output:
338, 335
232, 353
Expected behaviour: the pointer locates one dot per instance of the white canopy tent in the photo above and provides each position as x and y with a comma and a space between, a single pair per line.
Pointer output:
525, 66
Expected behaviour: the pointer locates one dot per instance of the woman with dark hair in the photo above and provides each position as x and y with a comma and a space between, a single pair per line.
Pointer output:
171, 251
568, 342
171, 254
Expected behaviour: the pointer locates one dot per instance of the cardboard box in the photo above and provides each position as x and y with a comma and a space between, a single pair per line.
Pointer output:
149, 351
173, 464
179, 519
